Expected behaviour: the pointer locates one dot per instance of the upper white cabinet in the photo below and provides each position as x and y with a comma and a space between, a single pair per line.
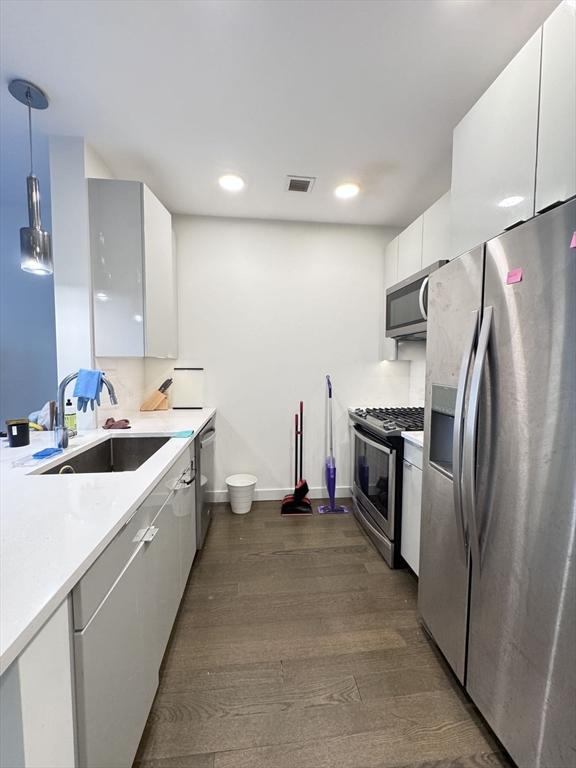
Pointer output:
388, 349
436, 232
556, 172
133, 271
391, 263
410, 249
494, 154
411, 505
161, 304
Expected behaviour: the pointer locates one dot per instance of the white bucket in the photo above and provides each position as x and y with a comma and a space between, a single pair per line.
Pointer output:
241, 492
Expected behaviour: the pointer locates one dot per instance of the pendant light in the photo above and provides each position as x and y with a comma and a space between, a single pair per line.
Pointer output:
35, 242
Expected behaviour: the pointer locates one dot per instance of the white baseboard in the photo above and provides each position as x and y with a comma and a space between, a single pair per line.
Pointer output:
275, 494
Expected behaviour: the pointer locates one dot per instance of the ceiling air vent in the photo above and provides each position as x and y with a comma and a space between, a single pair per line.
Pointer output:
300, 183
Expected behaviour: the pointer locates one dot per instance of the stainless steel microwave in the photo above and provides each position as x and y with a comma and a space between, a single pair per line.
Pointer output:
407, 305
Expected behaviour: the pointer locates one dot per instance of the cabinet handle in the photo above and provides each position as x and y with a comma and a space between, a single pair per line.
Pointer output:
139, 535
150, 533
185, 483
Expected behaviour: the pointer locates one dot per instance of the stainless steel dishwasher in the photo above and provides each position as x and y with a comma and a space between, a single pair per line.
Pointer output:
205, 445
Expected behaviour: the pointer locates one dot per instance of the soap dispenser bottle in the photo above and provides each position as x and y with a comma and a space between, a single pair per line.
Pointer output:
70, 415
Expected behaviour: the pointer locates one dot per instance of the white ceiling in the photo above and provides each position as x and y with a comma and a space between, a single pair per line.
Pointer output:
177, 92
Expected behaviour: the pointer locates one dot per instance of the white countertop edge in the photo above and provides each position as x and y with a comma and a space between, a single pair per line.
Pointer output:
416, 438
15, 646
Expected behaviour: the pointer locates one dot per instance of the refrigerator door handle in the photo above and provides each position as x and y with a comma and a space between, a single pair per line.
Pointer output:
458, 438
470, 431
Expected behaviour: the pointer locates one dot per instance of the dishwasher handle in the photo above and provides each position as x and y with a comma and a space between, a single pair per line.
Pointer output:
208, 437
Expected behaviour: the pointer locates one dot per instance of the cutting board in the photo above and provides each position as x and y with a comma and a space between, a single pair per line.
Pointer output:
188, 388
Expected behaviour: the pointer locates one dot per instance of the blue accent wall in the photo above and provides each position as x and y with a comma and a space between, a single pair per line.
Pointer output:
28, 376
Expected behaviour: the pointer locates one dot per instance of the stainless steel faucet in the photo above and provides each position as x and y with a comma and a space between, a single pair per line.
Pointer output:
61, 431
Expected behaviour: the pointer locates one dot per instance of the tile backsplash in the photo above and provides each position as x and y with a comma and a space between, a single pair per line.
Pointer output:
417, 392
127, 374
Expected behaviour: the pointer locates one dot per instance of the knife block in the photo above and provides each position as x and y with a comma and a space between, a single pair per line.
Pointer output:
156, 402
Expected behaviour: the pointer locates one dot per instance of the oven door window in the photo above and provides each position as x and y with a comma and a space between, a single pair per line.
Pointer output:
374, 467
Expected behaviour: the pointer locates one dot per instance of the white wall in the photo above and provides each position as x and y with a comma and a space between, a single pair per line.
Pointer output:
268, 308
417, 352
72, 270
417, 393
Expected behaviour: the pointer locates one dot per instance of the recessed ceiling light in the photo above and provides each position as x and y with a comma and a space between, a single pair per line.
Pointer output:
231, 183
510, 202
346, 191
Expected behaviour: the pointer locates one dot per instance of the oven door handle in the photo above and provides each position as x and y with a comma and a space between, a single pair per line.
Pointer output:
373, 443
361, 517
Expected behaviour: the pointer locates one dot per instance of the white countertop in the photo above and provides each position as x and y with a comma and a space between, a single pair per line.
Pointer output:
53, 527
417, 438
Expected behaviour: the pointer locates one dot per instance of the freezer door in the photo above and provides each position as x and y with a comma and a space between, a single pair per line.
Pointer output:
454, 301
522, 635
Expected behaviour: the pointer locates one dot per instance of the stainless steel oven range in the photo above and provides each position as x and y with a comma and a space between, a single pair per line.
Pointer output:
377, 482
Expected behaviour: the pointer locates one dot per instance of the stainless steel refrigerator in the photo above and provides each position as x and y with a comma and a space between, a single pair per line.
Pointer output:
497, 561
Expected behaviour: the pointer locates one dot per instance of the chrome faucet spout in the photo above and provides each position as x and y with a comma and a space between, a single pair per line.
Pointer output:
61, 431
111, 392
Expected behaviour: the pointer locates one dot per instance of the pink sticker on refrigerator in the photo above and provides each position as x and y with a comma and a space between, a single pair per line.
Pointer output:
573, 241
514, 276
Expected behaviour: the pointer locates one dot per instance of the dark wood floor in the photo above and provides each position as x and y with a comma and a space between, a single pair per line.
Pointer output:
297, 647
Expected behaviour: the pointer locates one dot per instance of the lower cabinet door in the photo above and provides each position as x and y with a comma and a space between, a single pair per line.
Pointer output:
411, 514
115, 684
186, 500
162, 579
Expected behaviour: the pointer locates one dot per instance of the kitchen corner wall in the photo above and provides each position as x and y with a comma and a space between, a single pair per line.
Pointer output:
268, 308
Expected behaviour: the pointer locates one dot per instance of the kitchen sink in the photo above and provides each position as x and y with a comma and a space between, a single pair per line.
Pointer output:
117, 454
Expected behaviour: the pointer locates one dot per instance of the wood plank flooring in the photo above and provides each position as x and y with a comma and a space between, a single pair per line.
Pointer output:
297, 647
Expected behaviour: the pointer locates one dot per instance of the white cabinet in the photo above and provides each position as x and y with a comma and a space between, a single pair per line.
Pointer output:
494, 154
388, 349
36, 702
410, 250
133, 271
115, 684
162, 579
161, 317
436, 232
186, 513
391, 263
124, 610
556, 172
411, 505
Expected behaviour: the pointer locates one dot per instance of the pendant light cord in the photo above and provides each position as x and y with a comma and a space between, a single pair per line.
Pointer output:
29, 100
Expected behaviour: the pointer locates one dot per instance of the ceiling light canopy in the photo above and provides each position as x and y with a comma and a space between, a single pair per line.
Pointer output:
35, 242
346, 191
510, 202
231, 182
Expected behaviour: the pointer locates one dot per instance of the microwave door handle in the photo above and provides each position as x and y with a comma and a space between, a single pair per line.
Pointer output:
458, 438
421, 297
470, 432
374, 444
